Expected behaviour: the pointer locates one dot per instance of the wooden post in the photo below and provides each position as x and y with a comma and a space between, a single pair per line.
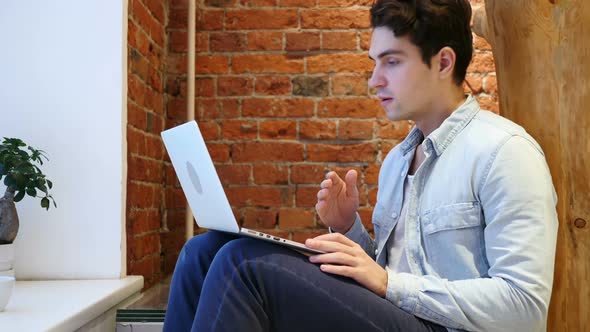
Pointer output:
542, 54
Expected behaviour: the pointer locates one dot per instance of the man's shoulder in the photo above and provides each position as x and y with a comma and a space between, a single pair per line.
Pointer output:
492, 130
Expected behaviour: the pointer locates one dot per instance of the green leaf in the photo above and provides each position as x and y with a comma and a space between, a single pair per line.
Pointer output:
41, 185
31, 192
2, 170
9, 181
45, 203
49, 184
19, 196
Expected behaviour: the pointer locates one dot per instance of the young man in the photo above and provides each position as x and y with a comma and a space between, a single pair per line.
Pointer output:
465, 222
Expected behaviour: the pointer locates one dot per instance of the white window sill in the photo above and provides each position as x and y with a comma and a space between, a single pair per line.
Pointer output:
65, 305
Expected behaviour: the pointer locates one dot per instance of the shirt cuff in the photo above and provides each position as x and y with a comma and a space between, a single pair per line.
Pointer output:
355, 232
402, 290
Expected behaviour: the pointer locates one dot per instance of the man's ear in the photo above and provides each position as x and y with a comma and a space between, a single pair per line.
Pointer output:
446, 63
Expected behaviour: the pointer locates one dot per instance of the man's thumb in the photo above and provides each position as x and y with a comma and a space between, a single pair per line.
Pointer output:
350, 180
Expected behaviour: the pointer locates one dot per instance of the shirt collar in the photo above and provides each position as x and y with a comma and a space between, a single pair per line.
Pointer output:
442, 136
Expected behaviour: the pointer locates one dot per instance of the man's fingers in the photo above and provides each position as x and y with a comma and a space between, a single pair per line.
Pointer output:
323, 194
350, 178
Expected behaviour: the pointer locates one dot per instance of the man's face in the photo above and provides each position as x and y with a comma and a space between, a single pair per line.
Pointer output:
403, 82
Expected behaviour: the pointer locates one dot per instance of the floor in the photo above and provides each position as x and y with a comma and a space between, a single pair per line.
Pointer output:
154, 298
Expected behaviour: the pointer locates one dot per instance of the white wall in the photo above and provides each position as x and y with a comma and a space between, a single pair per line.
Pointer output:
63, 90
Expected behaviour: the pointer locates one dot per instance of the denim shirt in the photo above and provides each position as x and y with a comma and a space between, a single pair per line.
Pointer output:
481, 225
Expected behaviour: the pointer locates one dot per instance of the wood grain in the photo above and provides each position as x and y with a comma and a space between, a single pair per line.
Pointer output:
542, 54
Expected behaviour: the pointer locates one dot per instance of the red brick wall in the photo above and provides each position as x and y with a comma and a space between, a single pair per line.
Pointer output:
147, 49
282, 97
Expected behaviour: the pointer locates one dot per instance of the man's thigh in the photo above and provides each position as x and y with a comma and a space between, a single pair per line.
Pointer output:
296, 295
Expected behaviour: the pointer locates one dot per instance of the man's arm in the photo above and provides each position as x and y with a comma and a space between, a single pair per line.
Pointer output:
518, 201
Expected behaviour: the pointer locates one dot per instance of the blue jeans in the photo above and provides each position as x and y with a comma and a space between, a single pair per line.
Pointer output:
224, 283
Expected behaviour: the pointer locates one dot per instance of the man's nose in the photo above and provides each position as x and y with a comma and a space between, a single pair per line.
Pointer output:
376, 79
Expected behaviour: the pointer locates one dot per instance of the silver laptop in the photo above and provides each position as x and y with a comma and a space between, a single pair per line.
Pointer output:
202, 188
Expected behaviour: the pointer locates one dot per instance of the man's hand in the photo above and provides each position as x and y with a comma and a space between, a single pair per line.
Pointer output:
338, 201
346, 258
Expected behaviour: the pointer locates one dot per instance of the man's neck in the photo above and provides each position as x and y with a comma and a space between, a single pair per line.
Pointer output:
440, 112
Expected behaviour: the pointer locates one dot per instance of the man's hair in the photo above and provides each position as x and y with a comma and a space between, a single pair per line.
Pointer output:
430, 25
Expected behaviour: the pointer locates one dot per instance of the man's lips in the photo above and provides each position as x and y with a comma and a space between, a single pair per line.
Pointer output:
385, 100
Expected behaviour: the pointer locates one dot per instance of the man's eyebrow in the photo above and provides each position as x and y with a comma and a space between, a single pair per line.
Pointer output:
388, 52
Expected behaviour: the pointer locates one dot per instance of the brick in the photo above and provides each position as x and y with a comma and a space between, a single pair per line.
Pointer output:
489, 103
136, 116
482, 63
349, 85
317, 129
261, 19
490, 84
219, 152
306, 196
229, 108
302, 41
239, 129
473, 84
272, 85
258, 3
266, 63
138, 64
265, 41
147, 22
144, 144
308, 173
257, 196
372, 196
143, 169
366, 214
144, 221
259, 218
211, 64
175, 198
372, 174
297, 3
208, 20
339, 40
279, 129
178, 3
355, 129
227, 41
221, 3
363, 152
210, 130
235, 86
271, 174
157, 9
290, 218
388, 129
365, 40
339, 63
170, 176
481, 44
344, 3
204, 87
387, 146
311, 86
348, 108
143, 195
234, 174
291, 108
145, 245
207, 109
267, 151
336, 18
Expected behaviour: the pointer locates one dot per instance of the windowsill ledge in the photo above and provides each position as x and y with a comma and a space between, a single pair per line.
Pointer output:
64, 305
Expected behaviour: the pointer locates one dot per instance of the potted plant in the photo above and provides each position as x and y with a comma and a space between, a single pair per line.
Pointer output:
19, 168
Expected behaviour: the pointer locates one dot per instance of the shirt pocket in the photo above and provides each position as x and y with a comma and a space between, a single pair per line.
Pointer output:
454, 241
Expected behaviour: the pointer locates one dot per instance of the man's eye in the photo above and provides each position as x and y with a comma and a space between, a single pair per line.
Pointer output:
392, 62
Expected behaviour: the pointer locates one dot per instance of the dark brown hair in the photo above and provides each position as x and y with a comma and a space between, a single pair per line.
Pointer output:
430, 25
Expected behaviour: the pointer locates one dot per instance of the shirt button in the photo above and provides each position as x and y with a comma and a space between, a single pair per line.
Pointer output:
394, 215
376, 252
